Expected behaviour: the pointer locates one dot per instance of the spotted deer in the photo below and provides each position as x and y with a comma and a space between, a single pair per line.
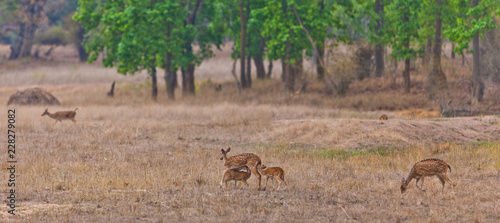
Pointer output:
250, 160
236, 175
426, 168
273, 173
61, 115
383, 117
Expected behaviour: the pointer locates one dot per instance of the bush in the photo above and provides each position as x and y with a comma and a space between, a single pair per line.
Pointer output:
55, 35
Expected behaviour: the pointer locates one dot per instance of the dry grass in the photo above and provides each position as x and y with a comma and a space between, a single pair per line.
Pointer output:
154, 162
130, 159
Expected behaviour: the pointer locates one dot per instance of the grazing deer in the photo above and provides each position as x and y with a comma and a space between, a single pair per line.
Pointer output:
61, 115
273, 173
236, 175
383, 117
250, 160
425, 168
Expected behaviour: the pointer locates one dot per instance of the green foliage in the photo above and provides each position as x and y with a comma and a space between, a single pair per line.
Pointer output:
403, 27
136, 35
475, 20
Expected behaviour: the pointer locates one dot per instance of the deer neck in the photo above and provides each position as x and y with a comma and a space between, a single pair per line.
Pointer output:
51, 115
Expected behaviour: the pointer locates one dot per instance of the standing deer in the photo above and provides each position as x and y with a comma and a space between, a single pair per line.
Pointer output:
425, 168
250, 160
236, 175
61, 115
273, 173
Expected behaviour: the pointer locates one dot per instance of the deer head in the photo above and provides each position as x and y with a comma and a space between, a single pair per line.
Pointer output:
404, 184
46, 112
223, 153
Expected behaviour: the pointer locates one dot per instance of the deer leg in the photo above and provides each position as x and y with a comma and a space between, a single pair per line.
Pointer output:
422, 183
247, 183
222, 181
416, 184
267, 178
235, 184
445, 177
279, 180
442, 182
257, 174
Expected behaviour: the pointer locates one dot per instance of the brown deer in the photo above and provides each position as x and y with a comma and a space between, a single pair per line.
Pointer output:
61, 115
273, 173
236, 175
383, 117
425, 168
250, 160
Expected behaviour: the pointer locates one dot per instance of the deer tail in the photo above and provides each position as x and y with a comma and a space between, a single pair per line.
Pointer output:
449, 167
76, 109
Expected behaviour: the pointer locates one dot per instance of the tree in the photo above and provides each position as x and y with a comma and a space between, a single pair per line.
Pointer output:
437, 77
477, 20
32, 11
379, 46
129, 41
144, 35
402, 31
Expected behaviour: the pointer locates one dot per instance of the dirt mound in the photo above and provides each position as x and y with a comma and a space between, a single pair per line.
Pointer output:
33, 96
368, 134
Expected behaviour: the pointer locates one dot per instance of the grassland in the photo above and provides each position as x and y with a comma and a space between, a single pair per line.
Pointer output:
130, 159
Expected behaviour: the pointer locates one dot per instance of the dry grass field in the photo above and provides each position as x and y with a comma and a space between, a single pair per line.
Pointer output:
130, 159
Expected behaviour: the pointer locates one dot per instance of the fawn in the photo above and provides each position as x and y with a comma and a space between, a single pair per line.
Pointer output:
250, 160
274, 172
61, 115
236, 175
425, 168
383, 117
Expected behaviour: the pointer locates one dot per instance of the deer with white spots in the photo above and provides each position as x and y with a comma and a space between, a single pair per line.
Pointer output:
61, 115
249, 160
427, 168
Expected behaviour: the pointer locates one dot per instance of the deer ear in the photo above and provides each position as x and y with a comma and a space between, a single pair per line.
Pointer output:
228, 149
222, 150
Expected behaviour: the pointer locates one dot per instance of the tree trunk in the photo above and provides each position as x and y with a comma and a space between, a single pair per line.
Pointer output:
259, 67
437, 77
406, 76
283, 69
269, 69
81, 49
299, 67
188, 71
29, 35
428, 51
290, 71
379, 47
406, 72
170, 77
476, 70
188, 81
15, 48
154, 86
452, 52
259, 62
248, 45
321, 50
243, 77
320, 56
33, 15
